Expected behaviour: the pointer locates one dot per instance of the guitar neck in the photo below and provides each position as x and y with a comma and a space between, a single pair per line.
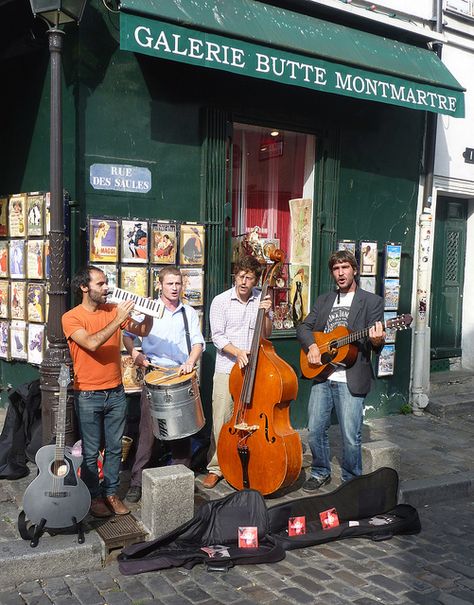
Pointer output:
61, 424
353, 336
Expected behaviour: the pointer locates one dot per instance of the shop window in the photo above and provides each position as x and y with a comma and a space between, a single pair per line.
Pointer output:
272, 206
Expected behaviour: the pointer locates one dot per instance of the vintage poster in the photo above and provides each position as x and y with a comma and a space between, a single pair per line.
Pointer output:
111, 273
155, 285
17, 215
3, 216
35, 302
368, 258
36, 343
193, 286
268, 248
299, 300
386, 365
134, 280
4, 268
347, 244
18, 300
35, 214
191, 245
103, 240
35, 259
164, 244
134, 242
4, 299
391, 293
47, 213
391, 333
5, 340
18, 347
47, 259
17, 258
301, 220
368, 283
132, 375
393, 257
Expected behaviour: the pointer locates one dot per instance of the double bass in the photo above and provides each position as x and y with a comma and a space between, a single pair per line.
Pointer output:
258, 448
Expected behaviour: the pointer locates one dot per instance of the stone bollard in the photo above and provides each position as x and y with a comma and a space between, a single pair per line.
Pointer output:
167, 498
377, 454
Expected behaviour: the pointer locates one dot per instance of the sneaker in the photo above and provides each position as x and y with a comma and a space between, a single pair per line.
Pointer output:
314, 483
134, 493
116, 505
99, 508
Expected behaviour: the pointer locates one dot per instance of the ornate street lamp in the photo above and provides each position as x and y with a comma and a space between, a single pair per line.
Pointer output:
56, 12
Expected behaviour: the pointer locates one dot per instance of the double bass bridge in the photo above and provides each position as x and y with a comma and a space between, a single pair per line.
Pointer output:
243, 426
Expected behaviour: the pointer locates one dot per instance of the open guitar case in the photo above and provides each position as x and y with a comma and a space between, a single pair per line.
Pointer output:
366, 507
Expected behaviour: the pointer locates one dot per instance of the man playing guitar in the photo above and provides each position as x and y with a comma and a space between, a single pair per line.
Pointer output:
345, 388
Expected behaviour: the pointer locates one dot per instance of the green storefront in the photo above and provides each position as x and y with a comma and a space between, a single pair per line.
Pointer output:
235, 109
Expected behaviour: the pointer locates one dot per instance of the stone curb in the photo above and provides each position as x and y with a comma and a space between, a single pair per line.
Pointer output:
442, 488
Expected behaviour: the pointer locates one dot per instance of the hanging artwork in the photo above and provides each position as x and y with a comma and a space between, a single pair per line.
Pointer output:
17, 258
299, 292
193, 286
164, 246
17, 215
36, 344
35, 302
4, 268
18, 346
5, 340
390, 333
393, 257
111, 273
134, 241
368, 258
347, 244
3, 216
134, 280
18, 300
386, 365
391, 293
35, 214
155, 284
132, 375
103, 240
368, 283
35, 259
4, 299
301, 213
191, 245
47, 259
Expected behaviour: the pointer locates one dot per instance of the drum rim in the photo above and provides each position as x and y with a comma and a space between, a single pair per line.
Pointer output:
166, 385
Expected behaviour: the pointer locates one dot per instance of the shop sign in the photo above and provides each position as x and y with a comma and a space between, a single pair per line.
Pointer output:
120, 177
169, 41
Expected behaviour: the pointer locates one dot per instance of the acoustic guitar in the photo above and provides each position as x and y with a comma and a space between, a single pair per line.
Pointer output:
338, 350
57, 498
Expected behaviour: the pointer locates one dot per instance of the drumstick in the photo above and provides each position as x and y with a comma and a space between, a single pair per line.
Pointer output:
162, 368
164, 378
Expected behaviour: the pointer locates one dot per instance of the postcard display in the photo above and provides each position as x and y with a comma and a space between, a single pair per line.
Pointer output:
131, 252
367, 252
24, 271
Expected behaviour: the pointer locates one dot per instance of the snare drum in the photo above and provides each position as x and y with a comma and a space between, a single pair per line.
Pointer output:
175, 405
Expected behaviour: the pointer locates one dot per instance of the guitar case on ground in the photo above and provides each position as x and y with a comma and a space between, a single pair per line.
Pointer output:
366, 507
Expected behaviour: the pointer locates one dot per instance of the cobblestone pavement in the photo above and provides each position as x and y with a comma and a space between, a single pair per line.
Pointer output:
435, 567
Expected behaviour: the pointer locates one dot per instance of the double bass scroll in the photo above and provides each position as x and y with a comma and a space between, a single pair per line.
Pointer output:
258, 448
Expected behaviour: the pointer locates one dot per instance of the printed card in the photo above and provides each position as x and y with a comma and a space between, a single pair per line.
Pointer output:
191, 241
5, 340
35, 214
386, 365
248, 537
4, 299
155, 284
3, 216
391, 293
164, 245
18, 300
18, 340
193, 286
296, 526
36, 336
347, 244
17, 258
134, 280
134, 242
393, 257
329, 518
17, 215
368, 258
132, 375
35, 259
35, 298
111, 273
4, 266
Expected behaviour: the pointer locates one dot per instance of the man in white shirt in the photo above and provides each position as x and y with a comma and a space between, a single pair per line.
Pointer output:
166, 345
232, 318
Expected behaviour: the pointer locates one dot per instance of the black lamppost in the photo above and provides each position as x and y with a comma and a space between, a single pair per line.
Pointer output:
56, 12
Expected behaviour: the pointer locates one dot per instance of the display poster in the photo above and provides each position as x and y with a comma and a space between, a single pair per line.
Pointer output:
164, 244
35, 301
4, 267
386, 364
18, 300
17, 258
4, 299
103, 240
35, 214
134, 280
134, 241
3, 216
18, 345
36, 343
17, 215
393, 257
191, 245
193, 286
299, 281
5, 339
35, 259
368, 258
301, 219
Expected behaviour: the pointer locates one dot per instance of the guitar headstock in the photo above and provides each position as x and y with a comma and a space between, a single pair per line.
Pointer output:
401, 322
64, 376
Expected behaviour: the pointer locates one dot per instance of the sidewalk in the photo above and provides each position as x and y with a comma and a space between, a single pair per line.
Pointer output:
436, 465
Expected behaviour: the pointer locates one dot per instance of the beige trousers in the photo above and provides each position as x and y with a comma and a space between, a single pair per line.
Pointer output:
222, 408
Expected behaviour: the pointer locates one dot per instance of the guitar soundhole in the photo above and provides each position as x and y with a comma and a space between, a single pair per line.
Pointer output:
64, 471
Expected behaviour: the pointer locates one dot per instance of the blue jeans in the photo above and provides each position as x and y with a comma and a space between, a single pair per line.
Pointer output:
101, 416
349, 409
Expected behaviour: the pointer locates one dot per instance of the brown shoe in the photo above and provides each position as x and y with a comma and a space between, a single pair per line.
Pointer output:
211, 480
116, 505
99, 508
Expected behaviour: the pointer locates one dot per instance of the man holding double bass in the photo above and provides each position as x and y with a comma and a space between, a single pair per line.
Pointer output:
344, 389
174, 341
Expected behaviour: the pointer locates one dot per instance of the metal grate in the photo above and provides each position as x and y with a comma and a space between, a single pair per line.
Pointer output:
451, 266
120, 531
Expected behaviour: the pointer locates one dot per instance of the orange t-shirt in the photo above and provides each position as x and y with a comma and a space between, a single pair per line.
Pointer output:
94, 370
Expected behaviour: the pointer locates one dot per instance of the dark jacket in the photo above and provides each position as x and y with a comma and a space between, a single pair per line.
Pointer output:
366, 309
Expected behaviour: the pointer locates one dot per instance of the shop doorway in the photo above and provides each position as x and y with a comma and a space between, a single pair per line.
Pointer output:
447, 284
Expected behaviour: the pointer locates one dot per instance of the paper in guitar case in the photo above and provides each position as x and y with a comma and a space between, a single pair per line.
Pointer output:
366, 507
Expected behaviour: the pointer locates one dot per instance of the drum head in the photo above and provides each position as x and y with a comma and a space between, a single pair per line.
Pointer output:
161, 378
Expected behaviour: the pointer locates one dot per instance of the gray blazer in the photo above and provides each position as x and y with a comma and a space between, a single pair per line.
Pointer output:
366, 309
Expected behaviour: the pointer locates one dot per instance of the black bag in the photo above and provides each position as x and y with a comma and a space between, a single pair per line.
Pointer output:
366, 507
216, 523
